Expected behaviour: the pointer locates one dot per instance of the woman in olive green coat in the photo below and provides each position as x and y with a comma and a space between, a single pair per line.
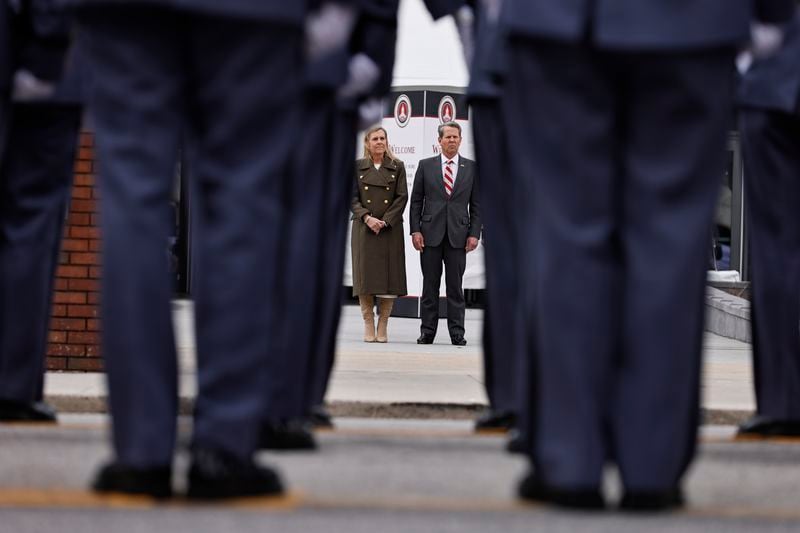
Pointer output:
378, 238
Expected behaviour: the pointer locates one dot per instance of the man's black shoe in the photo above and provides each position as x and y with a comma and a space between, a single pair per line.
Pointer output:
493, 421
14, 411
216, 475
292, 434
154, 482
652, 500
425, 338
761, 426
532, 489
458, 340
320, 418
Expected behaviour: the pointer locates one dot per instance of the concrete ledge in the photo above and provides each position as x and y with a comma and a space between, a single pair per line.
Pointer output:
727, 315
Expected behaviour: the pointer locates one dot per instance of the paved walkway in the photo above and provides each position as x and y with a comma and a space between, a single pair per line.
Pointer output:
403, 379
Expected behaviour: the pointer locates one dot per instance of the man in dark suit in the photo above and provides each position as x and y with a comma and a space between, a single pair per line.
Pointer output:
769, 99
40, 115
620, 108
224, 79
445, 226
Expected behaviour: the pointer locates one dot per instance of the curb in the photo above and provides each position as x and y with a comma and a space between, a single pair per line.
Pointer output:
396, 410
727, 315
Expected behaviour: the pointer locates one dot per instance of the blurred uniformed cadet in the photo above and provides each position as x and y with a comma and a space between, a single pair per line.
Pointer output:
41, 83
502, 333
374, 36
224, 80
308, 226
618, 110
769, 97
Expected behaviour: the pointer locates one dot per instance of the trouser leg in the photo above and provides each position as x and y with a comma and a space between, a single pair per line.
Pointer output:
771, 144
455, 262
35, 178
137, 109
244, 120
431, 261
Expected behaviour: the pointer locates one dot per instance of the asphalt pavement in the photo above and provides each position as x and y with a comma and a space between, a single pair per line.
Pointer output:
387, 476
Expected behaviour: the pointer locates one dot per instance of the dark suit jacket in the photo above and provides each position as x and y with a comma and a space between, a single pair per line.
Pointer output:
643, 24
774, 83
434, 214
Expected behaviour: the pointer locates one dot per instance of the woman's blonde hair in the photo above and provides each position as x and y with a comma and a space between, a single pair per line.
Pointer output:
369, 132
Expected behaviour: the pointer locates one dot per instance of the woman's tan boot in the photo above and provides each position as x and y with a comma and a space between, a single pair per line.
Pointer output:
367, 311
384, 310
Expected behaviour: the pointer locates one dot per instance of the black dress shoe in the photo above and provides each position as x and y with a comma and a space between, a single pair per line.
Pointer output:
291, 434
493, 421
652, 500
216, 475
458, 340
761, 426
14, 411
320, 418
532, 489
155, 482
425, 338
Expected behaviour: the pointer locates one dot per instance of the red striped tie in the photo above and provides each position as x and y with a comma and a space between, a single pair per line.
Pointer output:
448, 178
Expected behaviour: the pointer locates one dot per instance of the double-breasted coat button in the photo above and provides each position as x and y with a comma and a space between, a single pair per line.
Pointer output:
369, 201
387, 188
366, 188
386, 201
361, 177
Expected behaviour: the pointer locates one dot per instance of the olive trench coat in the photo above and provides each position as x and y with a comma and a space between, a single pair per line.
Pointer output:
379, 261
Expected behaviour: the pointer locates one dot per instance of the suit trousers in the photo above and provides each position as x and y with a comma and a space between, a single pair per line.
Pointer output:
623, 153
35, 180
455, 261
771, 142
503, 338
228, 89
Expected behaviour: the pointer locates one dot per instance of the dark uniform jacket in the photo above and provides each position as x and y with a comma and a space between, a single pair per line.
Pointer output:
434, 214
774, 83
642, 24
289, 11
379, 261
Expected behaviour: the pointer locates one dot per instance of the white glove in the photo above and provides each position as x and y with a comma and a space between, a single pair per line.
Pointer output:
743, 61
370, 113
492, 9
465, 24
328, 29
362, 75
765, 39
28, 88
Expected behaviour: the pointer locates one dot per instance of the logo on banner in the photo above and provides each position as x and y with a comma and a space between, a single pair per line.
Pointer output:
447, 109
402, 110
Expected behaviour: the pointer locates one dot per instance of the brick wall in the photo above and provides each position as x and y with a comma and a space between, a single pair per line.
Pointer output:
74, 339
